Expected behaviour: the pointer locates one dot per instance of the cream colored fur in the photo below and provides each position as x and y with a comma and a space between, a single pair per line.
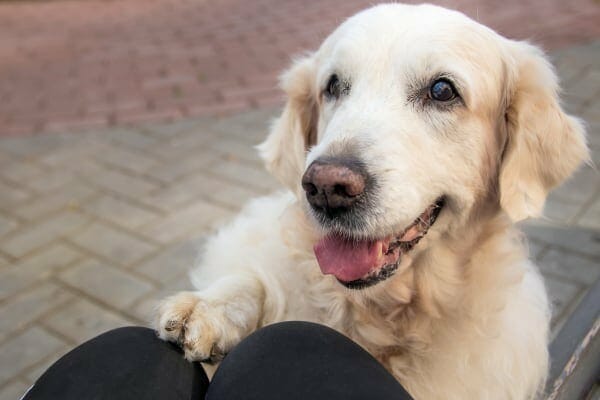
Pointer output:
466, 316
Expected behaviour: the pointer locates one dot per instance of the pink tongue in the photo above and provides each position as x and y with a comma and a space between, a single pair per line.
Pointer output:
347, 260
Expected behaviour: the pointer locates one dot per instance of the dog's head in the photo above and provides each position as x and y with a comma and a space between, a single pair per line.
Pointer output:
408, 115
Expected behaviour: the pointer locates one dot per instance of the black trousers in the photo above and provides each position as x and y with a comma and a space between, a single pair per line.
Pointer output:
290, 360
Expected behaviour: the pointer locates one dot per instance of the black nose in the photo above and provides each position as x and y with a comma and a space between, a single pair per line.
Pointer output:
333, 186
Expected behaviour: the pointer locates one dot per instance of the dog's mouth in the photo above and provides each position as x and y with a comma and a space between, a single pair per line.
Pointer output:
358, 264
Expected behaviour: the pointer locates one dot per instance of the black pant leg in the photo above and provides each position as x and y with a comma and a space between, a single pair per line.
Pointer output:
122, 364
301, 360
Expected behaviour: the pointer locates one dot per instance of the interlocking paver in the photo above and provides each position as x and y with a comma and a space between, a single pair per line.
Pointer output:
119, 182
26, 349
17, 171
591, 217
82, 320
570, 266
562, 294
35, 268
125, 159
3, 261
234, 149
194, 220
106, 283
38, 234
173, 262
132, 138
245, 174
27, 307
9, 195
6, 225
178, 167
118, 246
67, 197
577, 239
120, 211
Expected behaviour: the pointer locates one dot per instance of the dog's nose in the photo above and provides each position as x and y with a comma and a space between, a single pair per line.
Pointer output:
333, 186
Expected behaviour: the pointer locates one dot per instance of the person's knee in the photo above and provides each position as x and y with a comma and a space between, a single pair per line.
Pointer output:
283, 333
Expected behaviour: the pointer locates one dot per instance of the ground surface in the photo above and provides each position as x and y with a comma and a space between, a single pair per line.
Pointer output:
98, 224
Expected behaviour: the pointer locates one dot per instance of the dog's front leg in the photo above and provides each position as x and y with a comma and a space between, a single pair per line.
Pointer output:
208, 323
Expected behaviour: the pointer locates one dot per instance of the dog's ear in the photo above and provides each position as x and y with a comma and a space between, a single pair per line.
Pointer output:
295, 131
544, 145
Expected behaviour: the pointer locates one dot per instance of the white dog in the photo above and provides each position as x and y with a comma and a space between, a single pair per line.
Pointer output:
409, 120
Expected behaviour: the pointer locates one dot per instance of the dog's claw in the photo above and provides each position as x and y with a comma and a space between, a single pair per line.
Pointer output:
172, 325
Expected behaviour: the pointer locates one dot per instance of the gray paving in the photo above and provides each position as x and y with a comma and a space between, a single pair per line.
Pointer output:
97, 226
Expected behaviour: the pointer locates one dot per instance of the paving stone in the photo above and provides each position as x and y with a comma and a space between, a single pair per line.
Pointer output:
24, 350
233, 149
116, 245
178, 166
17, 171
191, 140
252, 127
33, 146
590, 113
195, 220
132, 138
591, 217
78, 151
3, 261
170, 129
561, 294
82, 320
107, 284
6, 225
535, 249
173, 262
14, 390
10, 195
204, 187
570, 266
35, 268
133, 186
576, 239
27, 307
120, 211
179, 194
68, 197
126, 159
247, 174
41, 233
578, 189
50, 180
559, 212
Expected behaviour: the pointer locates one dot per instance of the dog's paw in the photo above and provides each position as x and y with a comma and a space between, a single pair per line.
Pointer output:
200, 327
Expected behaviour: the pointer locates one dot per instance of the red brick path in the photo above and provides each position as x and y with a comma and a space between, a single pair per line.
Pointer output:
78, 64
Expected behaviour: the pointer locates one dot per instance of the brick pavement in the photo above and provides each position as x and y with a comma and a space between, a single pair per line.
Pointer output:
96, 226
66, 65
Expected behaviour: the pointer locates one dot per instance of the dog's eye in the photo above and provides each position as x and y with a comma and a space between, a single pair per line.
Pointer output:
335, 87
442, 90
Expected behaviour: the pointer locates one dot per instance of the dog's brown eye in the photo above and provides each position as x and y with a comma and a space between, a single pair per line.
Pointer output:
335, 88
442, 90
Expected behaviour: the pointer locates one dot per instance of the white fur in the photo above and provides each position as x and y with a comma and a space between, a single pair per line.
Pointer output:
466, 315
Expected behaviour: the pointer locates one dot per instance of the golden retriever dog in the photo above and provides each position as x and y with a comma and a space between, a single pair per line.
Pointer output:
411, 142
